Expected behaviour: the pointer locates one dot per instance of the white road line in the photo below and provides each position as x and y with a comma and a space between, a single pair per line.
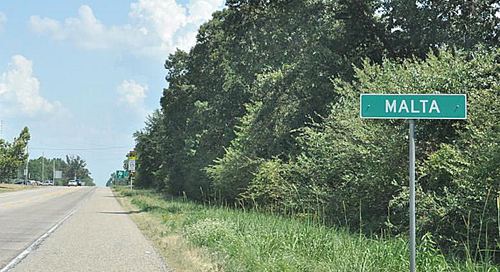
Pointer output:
35, 244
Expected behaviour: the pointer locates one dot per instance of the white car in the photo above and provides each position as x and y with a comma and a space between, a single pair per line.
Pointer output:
48, 183
72, 183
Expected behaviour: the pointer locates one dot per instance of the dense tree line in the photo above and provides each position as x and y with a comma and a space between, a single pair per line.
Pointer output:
73, 166
263, 111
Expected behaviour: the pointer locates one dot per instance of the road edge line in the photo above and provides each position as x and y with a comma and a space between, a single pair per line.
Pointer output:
38, 241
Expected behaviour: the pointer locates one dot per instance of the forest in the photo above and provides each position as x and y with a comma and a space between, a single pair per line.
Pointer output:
263, 112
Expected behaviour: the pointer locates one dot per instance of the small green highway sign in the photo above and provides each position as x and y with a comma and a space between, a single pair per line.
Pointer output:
413, 106
121, 174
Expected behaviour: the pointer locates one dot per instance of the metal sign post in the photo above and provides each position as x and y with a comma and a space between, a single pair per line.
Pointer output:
132, 156
411, 107
412, 194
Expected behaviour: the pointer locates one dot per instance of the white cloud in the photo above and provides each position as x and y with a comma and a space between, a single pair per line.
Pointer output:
156, 27
20, 90
3, 20
201, 10
48, 25
165, 17
88, 32
132, 93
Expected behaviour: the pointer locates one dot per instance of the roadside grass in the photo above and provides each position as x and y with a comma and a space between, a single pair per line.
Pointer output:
7, 187
179, 254
239, 240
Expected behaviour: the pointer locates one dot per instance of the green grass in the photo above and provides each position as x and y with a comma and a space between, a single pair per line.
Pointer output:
252, 241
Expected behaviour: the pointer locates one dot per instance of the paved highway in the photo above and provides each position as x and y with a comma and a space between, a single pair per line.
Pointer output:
95, 233
27, 215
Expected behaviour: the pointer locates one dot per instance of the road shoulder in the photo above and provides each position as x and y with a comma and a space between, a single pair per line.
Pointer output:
181, 255
100, 236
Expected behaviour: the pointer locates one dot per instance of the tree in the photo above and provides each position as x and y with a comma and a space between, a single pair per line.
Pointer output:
361, 163
76, 168
413, 27
36, 166
13, 155
264, 108
149, 150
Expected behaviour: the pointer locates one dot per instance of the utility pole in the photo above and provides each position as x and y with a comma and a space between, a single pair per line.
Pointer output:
54, 171
43, 166
26, 173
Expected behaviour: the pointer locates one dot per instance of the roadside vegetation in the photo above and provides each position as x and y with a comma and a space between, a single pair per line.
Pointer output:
72, 166
13, 155
6, 187
249, 240
169, 242
263, 113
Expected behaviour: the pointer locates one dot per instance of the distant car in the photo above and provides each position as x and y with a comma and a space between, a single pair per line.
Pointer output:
48, 183
24, 182
73, 182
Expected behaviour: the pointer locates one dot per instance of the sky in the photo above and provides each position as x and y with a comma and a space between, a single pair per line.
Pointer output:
84, 75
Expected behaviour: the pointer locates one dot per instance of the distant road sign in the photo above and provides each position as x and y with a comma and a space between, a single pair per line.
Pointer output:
131, 165
58, 174
120, 174
132, 155
413, 106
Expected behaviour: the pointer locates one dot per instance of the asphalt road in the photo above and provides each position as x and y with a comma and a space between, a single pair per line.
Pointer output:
27, 215
99, 236
96, 233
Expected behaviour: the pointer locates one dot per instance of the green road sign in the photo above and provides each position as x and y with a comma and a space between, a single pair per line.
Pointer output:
413, 106
121, 174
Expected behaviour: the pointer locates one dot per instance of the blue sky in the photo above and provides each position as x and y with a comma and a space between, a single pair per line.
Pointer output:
85, 74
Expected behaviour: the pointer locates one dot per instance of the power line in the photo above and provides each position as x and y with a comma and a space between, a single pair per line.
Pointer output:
80, 149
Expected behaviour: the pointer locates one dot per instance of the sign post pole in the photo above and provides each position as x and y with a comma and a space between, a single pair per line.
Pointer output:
132, 157
412, 194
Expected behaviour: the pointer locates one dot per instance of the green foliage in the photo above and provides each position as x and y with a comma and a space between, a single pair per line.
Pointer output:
76, 167
263, 111
13, 155
416, 26
364, 162
72, 166
254, 241
36, 166
149, 149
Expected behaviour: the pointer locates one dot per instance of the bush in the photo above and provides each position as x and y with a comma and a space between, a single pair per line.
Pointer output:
364, 162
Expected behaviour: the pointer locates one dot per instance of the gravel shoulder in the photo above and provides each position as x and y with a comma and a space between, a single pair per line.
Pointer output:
100, 236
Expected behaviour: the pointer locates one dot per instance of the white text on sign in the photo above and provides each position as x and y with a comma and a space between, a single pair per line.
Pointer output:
420, 106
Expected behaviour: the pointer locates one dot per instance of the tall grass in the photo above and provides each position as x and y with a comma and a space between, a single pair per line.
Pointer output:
243, 240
